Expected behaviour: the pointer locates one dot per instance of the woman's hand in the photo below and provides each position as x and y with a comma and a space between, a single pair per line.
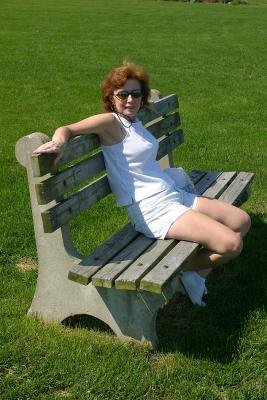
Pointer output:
56, 145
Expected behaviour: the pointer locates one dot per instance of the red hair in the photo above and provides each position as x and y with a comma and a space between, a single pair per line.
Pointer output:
117, 78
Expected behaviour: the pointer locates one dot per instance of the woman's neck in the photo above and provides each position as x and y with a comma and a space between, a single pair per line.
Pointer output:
129, 120
132, 120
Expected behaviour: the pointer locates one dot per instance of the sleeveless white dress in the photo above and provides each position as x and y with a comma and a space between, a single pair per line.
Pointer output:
154, 198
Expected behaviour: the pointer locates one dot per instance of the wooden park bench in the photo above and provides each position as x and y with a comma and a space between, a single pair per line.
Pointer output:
129, 277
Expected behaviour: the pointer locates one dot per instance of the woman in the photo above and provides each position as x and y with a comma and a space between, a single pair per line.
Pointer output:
156, 202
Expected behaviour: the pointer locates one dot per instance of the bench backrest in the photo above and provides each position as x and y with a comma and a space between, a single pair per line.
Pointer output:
83, 162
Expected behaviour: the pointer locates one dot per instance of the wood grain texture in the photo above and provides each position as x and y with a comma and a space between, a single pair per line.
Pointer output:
56, 186
83, 272
106, 276
169, 143
75, 204
165, 126
168, 267
159, 108
131, 277
237, 187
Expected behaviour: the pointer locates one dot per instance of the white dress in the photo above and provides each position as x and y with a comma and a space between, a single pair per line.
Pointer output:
154, 198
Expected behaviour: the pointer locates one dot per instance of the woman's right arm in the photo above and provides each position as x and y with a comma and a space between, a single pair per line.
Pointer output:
97, 124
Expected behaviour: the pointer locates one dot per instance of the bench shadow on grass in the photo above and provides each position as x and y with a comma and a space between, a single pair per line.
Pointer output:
85, 321
235, 292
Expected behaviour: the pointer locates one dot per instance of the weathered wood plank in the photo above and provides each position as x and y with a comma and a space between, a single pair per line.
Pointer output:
75, 148
66, 210
237, 187
83, 272
207, 181
161, 107
42, 164
168, 144
56, 186
196, 175
168, 267
131, 277
106, 276
217, 188
165, 125
78, 146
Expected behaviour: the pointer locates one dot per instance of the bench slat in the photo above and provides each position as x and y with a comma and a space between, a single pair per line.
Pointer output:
106, 276
170, 265
233, 193
131, 277
159, 108
196, 175
165, 126
208, 180
56, 186
169, 143
214, 191
63, 212
75, 148
83, 272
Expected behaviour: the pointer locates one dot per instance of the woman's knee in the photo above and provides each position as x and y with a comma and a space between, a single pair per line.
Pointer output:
246, 223
232, 246
242, 223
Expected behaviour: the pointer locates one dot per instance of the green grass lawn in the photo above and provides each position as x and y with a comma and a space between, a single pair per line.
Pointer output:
53, 56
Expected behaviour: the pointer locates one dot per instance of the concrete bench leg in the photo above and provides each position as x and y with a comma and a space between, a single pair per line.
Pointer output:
130, 314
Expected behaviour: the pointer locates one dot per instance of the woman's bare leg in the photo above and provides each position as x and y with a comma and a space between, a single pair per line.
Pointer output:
235, 218
231, 216
218, 227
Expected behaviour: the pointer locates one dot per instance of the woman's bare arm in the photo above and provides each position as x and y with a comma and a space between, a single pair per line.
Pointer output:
97, 124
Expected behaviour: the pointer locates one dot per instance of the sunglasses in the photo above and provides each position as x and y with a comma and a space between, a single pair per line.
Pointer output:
123, 95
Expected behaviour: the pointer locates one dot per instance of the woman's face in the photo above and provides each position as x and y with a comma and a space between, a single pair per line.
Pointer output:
127, 99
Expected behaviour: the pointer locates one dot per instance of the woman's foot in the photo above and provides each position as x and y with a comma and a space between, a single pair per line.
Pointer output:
194, 286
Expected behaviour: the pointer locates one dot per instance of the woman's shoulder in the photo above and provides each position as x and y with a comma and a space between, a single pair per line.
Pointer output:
98, 124
107, 120
106, 117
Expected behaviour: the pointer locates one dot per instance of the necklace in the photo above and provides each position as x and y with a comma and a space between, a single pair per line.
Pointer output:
125, 126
